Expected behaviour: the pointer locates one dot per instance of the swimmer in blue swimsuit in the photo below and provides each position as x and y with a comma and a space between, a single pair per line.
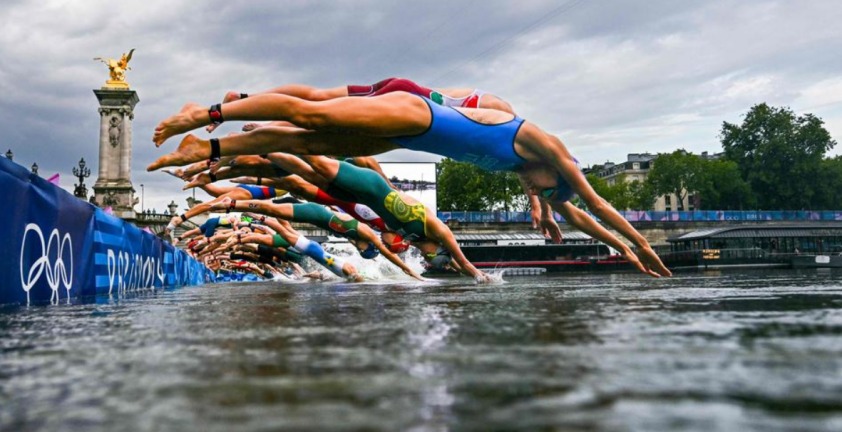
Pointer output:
372, 125
542, 215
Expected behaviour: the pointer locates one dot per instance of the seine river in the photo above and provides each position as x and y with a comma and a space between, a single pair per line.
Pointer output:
730, 351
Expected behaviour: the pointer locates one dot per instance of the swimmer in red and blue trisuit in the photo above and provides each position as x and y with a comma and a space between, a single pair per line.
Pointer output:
489, 138
242, 192
542, 215
452, 97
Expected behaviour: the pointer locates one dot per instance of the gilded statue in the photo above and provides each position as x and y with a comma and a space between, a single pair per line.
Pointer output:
117, 69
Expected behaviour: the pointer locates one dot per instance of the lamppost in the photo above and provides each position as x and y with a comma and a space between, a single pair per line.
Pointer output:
9, 154
141, 197
35, 168
81, 191
172, 206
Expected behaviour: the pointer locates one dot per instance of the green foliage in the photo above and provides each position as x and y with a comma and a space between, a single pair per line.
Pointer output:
463, 186
722, 188
829, 195
622, 195
780, 155
676, 173
642, 195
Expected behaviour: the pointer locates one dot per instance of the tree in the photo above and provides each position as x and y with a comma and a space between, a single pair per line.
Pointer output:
622, 195
722, 187
778, 154
463, 186
829, 196
678, 173
642, 195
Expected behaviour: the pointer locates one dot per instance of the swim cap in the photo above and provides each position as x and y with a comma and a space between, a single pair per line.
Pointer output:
370, 252
561, 193
397, 245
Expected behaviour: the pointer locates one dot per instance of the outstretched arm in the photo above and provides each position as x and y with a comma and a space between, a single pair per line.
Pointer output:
588, 225
371, 237
542, 214
439, 232
554, 152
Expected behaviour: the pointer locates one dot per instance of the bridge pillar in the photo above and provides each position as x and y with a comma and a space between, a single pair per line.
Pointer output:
113, 186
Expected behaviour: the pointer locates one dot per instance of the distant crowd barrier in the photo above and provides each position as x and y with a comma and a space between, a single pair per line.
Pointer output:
58, 247
661, 216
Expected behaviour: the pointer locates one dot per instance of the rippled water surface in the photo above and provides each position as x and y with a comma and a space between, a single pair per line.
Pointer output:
749, 350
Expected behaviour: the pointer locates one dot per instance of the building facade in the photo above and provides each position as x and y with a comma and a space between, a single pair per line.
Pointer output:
636, 168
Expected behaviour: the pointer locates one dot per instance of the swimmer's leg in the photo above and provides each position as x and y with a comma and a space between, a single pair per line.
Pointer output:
273, 139
394, 114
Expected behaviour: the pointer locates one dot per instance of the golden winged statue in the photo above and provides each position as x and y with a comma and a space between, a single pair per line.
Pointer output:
117, 69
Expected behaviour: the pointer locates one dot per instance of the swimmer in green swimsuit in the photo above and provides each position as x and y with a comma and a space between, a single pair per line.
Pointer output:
407, 217
360, 235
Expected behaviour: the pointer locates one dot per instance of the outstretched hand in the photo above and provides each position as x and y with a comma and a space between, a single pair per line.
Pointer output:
550, 229
653, 262
482, 278
635, 261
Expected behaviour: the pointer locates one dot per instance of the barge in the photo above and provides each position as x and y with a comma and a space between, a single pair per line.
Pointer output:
785, 245
578, 252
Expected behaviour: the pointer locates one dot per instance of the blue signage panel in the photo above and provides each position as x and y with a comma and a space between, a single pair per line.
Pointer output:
55, 246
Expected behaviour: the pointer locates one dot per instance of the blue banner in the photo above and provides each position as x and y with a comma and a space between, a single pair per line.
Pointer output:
659, 216
56, 246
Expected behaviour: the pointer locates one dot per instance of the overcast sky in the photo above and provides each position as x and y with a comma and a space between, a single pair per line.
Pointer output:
608, 77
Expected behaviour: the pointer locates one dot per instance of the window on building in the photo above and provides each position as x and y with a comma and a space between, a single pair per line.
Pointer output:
667, 200
636, 166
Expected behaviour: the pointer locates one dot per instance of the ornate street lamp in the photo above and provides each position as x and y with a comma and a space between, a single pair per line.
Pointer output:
142, 194
172, 206
35, 168
81, 172
9, 154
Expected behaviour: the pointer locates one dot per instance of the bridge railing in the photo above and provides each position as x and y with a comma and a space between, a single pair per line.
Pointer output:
660, 216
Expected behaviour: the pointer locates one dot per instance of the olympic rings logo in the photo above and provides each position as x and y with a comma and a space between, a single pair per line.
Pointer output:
56, 272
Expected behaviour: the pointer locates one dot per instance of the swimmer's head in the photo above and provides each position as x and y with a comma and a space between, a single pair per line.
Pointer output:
370, 252
440, 260
562, 192
394, 241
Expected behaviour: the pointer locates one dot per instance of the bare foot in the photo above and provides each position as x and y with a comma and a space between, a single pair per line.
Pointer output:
191, 149
177, 173
190, 117
248, 127
198, 180
229, 97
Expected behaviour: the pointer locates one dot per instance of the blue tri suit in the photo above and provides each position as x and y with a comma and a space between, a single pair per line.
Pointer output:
488, 146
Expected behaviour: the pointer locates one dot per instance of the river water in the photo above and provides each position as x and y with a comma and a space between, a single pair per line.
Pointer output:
748, 350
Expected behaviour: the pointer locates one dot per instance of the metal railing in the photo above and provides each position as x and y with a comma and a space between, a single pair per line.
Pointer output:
659, 216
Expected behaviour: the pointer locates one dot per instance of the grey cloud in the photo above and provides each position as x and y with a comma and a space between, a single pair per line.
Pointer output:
610, 77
